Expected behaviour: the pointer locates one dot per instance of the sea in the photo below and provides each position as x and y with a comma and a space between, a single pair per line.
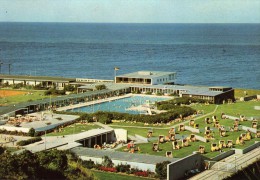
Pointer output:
200, 54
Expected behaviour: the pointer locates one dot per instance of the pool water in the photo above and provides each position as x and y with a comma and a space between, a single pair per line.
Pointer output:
121, 105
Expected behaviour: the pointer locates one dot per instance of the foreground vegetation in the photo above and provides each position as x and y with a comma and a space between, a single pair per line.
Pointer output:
43, 165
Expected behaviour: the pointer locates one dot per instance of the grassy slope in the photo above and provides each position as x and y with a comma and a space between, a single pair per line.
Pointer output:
34, 95
112, 176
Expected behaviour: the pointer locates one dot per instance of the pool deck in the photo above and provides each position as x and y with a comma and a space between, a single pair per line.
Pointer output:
65, 108
93, 102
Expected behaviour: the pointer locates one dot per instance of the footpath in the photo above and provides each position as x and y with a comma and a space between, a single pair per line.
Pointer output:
228, 166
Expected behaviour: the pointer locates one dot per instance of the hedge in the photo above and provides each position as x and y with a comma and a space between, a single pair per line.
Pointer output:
29, 141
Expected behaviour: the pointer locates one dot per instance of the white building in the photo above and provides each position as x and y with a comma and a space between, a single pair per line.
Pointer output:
147, 77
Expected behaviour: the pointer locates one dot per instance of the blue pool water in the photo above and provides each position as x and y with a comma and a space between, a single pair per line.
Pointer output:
120, 105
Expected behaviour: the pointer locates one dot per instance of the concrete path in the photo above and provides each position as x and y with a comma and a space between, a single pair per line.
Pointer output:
228, 166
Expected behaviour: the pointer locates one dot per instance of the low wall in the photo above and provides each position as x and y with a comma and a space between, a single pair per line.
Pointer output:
194, 130
141, 166
200, 138
248, 98
245, 128
177, 169
144, 139
7, 128
121, 134
249, 148
223, 155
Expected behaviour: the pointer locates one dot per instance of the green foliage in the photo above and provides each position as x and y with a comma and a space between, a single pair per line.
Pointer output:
88, 164
103, 117
54, 91
29, 141
69, 88
55, 160
161, 169
107, 162
100, 87
31, 132
123, 168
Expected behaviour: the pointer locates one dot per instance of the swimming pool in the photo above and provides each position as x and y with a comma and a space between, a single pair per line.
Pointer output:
125, 105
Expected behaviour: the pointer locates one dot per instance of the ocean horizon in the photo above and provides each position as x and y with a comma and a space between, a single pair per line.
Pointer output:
201, 54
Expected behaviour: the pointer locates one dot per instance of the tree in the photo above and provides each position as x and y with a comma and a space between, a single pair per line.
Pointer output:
107, 162
100, 87
31, 132
161, 169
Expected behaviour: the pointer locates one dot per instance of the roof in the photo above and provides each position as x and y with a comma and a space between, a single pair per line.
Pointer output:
37, 78
186, 89
109, 85
146, 74
122, 156
11, 108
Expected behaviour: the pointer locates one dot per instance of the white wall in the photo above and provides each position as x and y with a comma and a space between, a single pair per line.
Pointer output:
141, 166
121, 134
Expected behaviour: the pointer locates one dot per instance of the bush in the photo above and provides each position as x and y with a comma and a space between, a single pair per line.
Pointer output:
108, 169
88, 164
31, 132
161, 169
29, 141
123, 168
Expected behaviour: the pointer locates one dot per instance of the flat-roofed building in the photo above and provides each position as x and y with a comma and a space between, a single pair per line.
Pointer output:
147, 77
43, 81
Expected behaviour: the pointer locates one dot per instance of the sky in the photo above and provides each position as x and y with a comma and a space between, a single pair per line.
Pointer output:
131, 11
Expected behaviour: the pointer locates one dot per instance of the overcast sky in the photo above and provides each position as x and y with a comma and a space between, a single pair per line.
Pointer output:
131, 11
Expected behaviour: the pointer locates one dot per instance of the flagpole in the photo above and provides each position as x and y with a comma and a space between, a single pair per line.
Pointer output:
115, 69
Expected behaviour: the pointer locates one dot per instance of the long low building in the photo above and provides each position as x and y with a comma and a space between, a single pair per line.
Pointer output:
43, 81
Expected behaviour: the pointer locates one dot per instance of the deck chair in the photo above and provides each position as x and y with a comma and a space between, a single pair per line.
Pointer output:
168, 154
240, 141
214, 147
201, 149
184, 142
181, 127
207, 120
222, 133
222, 144
155, 147
248, 135
243, 135
257, 135
175, 145
172, 137
191, 123
236, 127
192, 138
207, 128
254, 124
161, 139
229, 143
236, 122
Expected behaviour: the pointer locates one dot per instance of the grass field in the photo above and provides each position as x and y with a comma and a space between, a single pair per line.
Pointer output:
74, 129
112, 176
8, 97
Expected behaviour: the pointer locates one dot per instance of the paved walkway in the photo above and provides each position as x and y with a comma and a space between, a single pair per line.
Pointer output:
228, 166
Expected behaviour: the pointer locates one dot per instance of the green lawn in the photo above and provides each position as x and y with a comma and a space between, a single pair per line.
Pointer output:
33, 95
249, 92
74, 129
243, 108
112, 176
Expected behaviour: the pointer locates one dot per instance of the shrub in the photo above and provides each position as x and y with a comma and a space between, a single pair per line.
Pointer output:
31, 132
29, 141
108, 169
141, 173
88, 164
123, 168
161, 169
